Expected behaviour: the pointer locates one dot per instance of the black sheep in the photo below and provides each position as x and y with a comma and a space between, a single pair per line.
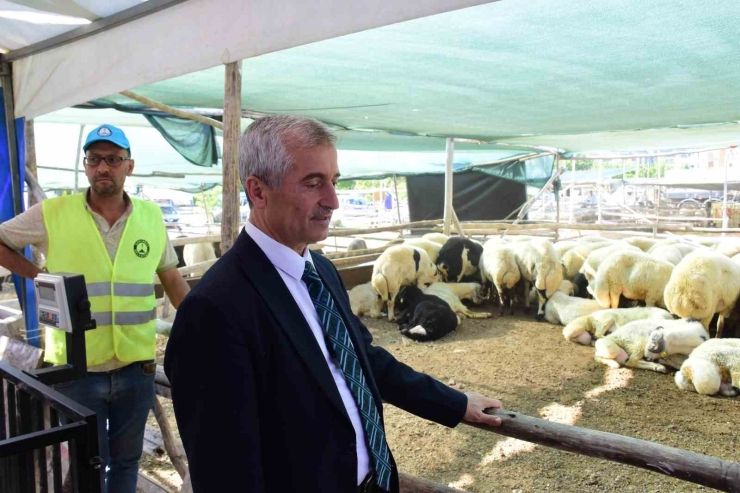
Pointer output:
580, 284
425, 317
458, 255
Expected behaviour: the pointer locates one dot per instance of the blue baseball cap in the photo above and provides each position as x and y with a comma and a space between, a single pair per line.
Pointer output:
107, 133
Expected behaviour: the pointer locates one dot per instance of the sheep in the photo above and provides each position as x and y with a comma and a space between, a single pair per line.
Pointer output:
627, 345
635, 275
640, 242
425, 317
728, 247
596, 257
400, 265
566, 287
591, 239
669, 253
428, 246
452, 293
563, 309
196, 253
563, 246
702, 284
580, 286
458, 257
365, 301
498, 267
436, 238
357, 244
539, 264
573, 259
712, 368
585, 329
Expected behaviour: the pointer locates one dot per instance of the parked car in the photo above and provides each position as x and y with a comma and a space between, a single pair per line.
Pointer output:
170, 214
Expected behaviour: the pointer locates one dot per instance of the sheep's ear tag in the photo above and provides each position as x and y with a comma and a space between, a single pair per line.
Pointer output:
664, 355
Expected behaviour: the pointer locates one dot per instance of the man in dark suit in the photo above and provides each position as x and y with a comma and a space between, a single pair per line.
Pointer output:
276, 385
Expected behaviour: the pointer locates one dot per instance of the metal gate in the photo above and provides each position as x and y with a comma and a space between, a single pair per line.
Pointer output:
35, 422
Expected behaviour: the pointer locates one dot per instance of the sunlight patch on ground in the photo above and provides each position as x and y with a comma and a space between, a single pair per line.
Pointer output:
465, 481
613, 379
557, 413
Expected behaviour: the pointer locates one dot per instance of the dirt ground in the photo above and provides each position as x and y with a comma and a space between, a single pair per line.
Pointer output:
534, 371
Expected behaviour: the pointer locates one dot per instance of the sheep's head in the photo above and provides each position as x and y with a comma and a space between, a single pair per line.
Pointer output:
655, 344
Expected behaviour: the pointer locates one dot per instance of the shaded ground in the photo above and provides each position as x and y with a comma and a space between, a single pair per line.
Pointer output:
530, 367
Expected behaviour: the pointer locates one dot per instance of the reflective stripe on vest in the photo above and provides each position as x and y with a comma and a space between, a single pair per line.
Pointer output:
121, 290
125, 318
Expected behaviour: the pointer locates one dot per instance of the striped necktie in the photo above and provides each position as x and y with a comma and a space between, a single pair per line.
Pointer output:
344, 353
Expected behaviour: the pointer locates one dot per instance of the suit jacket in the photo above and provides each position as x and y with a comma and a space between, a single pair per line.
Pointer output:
255, 402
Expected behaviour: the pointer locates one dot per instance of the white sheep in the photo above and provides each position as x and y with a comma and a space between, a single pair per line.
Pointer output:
365, 301
584, 330
563, 246
702, 284
539, 265
436, 238
400, 265
452, 293
640, 242
669, 253
573, 259
634, 275
498, 266
430, 247
713, 367
626, 346
196, 253
563, 309
728, 247
595, 258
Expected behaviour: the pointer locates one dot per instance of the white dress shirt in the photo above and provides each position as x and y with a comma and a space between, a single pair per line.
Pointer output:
290, 266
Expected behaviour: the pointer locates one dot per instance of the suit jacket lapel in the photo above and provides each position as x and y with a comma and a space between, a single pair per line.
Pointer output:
267, 281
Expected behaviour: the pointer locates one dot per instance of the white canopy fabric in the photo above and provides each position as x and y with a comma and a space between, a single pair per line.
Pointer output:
191, 36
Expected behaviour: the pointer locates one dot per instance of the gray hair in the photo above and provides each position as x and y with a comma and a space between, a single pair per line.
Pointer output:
264, 147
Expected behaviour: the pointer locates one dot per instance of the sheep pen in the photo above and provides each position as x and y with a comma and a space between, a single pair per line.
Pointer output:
534, 371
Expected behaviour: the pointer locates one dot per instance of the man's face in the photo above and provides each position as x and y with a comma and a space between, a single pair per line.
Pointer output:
300, 210
107, 181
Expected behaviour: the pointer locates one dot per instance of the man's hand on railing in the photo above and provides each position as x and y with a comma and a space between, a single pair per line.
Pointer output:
477, 403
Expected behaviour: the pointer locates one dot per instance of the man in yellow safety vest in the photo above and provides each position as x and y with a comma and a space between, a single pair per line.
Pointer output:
118, 243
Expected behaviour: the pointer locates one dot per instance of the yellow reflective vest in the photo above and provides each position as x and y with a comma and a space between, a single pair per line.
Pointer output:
121, 293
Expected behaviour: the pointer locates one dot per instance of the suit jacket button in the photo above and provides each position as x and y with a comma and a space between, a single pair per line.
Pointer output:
352, 447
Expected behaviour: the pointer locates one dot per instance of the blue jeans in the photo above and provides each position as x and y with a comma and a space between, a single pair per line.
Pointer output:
121, 399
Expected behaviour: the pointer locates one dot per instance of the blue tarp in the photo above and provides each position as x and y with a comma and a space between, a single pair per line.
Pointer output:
28, 305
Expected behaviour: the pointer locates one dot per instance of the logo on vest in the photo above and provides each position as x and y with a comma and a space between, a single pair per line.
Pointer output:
141, 248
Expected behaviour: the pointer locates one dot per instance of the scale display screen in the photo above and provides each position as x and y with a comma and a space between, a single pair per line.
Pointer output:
46, 292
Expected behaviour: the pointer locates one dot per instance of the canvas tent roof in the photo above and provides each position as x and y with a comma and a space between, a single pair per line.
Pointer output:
579, 76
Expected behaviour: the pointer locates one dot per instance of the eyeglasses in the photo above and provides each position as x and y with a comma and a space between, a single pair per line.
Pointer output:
111, 161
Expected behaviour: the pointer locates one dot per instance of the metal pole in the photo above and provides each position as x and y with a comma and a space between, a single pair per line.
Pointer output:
450, 149
398, 200
77, 158
598, 189
6, 81
573, 192
725, 218
624, 185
